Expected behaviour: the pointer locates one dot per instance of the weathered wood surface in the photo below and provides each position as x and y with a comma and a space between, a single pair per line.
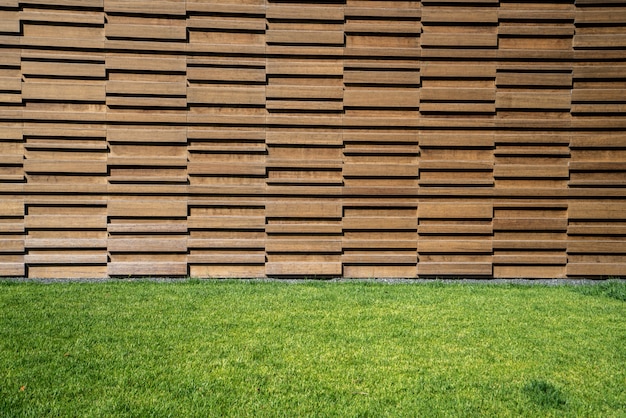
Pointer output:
347, 138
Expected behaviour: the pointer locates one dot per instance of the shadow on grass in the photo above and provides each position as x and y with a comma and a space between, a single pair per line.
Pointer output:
544, 394
614, 289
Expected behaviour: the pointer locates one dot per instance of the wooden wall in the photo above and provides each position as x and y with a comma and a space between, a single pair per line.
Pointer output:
250, 138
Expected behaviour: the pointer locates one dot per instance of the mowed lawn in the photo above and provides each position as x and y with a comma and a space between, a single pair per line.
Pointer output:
240, 348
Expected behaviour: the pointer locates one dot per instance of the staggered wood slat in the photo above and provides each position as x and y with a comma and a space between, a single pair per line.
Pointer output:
256, 138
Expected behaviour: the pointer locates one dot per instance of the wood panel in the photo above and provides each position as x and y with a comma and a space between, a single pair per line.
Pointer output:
455, 238
272, 138
530, 238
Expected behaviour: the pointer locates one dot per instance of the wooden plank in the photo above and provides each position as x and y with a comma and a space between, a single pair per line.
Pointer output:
146, 208
378, 27
12, 207
533, 79
596, 247
530, 171
65, 221
599, 71
534, 15
113, 30
457, 210
226, 169
458, 94
454, 70
379, 244
596, 210
147, 269
65, 166
303, 228
452, 107
380, 170
381, 77
596, 269
221, 222
305, 11
454, 246
304, 37
11, 227
227, 270
226, 74
404, 98
80, 271
144, 62
165, 7
442, 14
308, 269
382, 260
304, 92
459, 40
134, 87
311, 67
529, 272
147, 228
250, 23
524, 100
72, 259
304, 209
455, 228
226, 243
383, 223
602, 15
308, 246
227, 259
598, 95
226, 95
73, 3
59, 243
12, 245
454, 269
364, 9
303, 137
87, 92
529, 224
601, 108
597, 228
12, 269
316, 105
530, 259
225, 7
147, 160
152, 245
66, 16
542, 29
597, 166
456, 165
384, 271
533, 245
125, 134
46, 68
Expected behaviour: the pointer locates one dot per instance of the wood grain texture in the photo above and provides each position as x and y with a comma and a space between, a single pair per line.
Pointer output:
347, 138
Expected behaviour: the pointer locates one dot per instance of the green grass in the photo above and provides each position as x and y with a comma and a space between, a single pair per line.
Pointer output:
226, 348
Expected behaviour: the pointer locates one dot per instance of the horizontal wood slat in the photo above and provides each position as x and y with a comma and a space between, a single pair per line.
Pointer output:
341, 138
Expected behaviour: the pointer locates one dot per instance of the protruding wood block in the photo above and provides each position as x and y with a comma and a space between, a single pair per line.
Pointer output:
303, 269
146, 208
457, 210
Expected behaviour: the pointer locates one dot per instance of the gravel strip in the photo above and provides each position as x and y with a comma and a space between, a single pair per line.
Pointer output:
527, 282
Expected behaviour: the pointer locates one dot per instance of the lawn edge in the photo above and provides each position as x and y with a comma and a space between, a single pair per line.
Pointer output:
306, 279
